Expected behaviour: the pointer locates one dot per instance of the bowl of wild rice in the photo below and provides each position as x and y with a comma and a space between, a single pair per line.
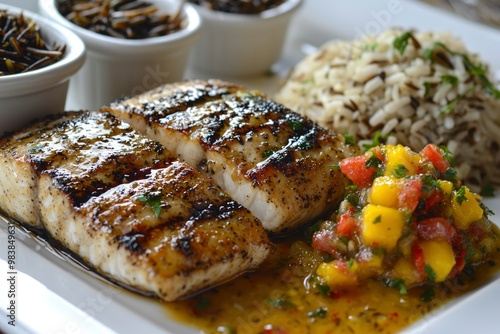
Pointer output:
405, 87
241, 38
37, 60
133, 46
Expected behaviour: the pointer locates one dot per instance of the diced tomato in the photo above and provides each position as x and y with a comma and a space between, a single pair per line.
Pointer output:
435, 197
346, 226
410, 194
355, 169
436, 228
377, 151
435, 155
418, 259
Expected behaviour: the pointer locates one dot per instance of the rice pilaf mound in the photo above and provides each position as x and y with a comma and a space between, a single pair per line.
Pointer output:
405, 87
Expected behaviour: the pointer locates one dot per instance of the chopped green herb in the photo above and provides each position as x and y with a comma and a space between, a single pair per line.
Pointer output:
344, 240
400, 171
431, 274
351, 188
311, 229
348, 139
473, 69
379, 251
373, 161
324, 289
487, 210
281, 303
375, 141
453, 104
351, 198
450, 174
427, 86
320, 312
377, 220
399, 284
350, 263
447, 154
488, 190
460, 195
449, 79
267, 153
304, 145
154, 201
427, 295
295, 125
401, 42
334, 166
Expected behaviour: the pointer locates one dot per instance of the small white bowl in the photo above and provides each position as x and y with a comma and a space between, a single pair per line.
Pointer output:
241, 44
27, 96
117, 67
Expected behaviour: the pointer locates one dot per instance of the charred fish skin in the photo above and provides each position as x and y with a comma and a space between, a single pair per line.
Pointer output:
169, 234
268, 158
86, 153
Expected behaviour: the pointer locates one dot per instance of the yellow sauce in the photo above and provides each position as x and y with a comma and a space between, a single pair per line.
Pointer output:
275, 297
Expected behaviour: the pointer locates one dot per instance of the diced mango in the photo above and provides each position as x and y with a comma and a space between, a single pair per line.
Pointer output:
439, 256
465, 208
397, 155
385, 191
446, 187
338, 274
405, 270
382, 226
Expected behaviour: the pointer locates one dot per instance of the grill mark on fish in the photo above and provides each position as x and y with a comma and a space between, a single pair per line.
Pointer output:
88, 174
255, 149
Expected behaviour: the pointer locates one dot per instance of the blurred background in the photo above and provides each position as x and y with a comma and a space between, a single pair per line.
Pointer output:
482, 11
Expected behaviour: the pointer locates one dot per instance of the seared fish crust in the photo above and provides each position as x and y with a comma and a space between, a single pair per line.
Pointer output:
271, 160
126, 206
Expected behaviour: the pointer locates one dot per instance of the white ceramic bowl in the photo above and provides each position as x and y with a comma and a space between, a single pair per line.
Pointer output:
241, 44
25, 97
122, 67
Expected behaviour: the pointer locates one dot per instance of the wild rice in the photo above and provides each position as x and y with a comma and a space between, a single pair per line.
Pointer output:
433, 91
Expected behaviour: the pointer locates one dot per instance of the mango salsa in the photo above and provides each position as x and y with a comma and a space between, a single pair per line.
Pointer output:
406, 219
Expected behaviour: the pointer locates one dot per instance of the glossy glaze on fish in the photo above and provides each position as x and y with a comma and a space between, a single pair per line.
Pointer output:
268, 158
128, 207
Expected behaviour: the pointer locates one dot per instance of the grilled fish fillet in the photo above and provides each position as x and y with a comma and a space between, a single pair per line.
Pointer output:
266, 157
129, 208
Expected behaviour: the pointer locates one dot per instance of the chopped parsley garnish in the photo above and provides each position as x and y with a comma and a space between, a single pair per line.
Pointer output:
154, 201
450, 174
477, 71
453, 104
431, 274
348, 139
377, 220
350, 263
397, 283
375, 141
334, 166
447, 154
401, 42
281, 303
460, 195
400, 171
448, 79
320, 312
351, 198
267, 153
427, 86
373, 161
324, 289
295, 125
